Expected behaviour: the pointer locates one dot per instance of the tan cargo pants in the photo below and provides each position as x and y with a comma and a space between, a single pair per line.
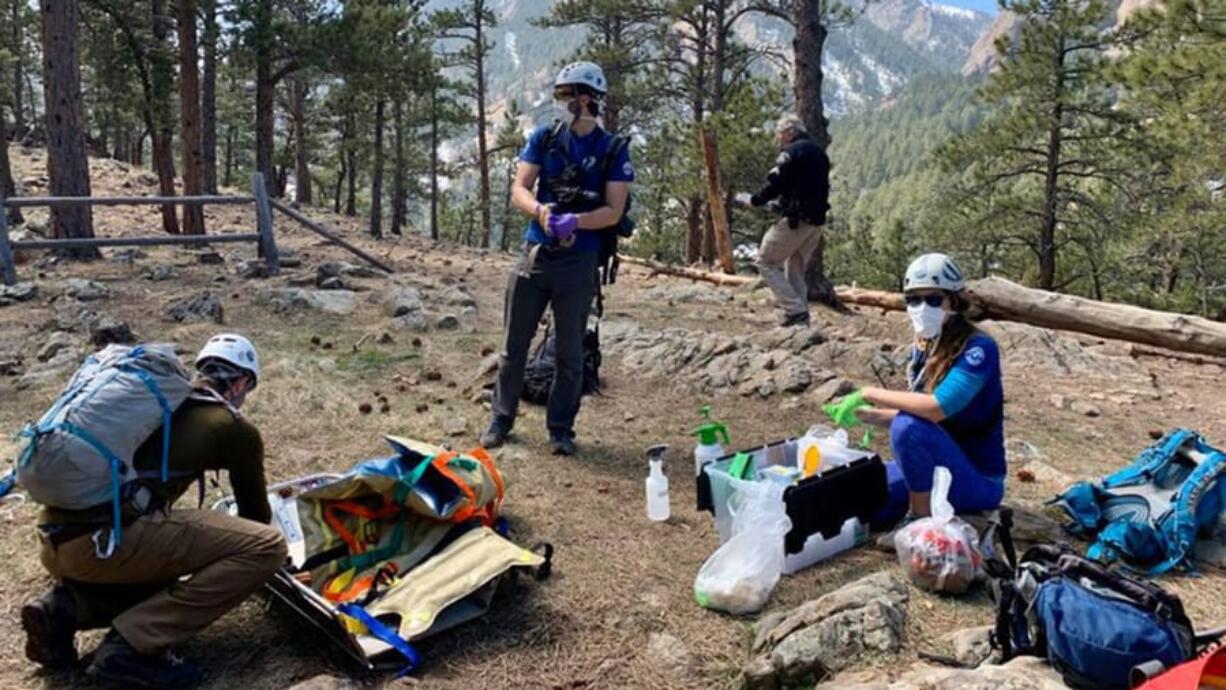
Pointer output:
227, 559
782, 259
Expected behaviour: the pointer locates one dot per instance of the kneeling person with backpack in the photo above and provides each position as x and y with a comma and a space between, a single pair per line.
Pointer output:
119, 562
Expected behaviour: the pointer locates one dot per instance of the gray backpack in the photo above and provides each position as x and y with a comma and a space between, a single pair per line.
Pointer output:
79, 454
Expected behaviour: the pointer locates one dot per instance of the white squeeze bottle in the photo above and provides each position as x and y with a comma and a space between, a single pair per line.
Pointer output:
657, 485
708, 448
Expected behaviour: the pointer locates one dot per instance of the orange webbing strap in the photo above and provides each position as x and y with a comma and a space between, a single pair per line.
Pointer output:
343, 589
469, 507
491, 510
355, 546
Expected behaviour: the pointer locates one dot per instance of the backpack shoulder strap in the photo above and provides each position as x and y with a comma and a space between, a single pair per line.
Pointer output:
614, 144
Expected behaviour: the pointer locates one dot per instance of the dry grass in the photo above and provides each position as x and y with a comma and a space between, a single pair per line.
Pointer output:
618, 578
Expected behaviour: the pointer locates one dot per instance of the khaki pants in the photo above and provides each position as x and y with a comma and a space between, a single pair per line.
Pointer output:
782, 259
227, 559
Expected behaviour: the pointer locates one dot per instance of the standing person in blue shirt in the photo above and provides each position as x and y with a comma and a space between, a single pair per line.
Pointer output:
582, 176
953, 414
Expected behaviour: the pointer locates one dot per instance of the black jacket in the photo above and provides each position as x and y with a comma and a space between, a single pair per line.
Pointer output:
801, 181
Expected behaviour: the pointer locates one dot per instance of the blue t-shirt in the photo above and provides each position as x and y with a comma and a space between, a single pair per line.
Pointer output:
585, 151
972, 397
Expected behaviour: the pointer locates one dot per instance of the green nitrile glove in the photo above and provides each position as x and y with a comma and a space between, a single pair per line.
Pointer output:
843, 410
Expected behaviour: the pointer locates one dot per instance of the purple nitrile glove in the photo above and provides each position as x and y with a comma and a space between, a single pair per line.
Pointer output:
563, 225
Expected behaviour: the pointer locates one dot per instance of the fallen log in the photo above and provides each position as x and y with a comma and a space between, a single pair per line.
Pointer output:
1008, 301
1003, 300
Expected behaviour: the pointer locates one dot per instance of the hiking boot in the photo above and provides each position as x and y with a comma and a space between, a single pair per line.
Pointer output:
885, 542
118, 662
562, 443
50, 623
797, 319
497, 434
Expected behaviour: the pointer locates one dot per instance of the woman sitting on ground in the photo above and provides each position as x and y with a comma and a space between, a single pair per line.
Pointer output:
953, 413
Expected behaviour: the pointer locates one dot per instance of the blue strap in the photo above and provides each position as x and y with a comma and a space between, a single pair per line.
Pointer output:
386, 634
117, 467
1181, 537
1150, 460
166, 412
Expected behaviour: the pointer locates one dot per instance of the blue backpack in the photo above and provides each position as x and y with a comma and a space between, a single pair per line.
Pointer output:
1150, 513
1091, 624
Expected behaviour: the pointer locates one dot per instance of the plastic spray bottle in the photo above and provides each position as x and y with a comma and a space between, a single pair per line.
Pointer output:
658, 508
709, 433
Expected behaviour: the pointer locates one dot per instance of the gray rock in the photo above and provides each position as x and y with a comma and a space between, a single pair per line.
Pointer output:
972, 646
86, 290
830, 633
456, 426
106, 331
52, 370
253, 269
670, 654
128, 256
400, 301
21, 292
447, 322
147, 179
10, 365
1022, 673
290, 300
337, 269
413, 321
202, 307
300, 280
1021, 451
161, 273
700, 294
56, 343
288, 258
210, 258
335, 283
832, 389
455, 296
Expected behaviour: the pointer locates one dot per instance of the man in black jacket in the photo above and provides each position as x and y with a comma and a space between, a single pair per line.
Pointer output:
801, 182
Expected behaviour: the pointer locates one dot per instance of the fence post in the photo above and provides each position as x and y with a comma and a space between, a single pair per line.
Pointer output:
7, 265
263, 214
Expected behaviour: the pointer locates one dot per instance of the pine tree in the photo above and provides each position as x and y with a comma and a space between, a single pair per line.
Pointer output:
1039, 164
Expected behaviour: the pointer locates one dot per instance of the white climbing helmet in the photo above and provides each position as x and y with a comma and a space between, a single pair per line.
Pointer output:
586, 74
234, 349
934, 271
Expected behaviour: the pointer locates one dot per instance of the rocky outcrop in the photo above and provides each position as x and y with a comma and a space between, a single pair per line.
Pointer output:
1022, 673
983, 56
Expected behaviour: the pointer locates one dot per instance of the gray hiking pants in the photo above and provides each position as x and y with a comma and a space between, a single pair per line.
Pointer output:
565, 280
782, 259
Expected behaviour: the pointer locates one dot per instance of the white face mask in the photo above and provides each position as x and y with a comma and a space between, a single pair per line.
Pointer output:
562, 111
926, 320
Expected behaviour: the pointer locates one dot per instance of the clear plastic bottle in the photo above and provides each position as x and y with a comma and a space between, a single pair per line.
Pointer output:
658, 508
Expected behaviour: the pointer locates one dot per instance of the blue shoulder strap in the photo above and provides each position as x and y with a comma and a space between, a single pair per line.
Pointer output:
1150, 460
1181, 526
386, 634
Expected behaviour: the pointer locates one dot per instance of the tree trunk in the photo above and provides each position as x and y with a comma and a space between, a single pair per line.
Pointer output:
398, 181
208, 97
715, 199
1051, 181
67, 163
8, 187
340, 184
229, 179
508, 216
351, 169
302, 170
161, 112
482, 145
264, 114
376, 175
693, 235
807, 49
434, 163
189, 117
19, 117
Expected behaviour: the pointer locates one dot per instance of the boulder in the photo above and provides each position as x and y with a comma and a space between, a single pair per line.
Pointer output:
1022, 673
86, 290
972, 646
106, 330
700, 294
57, 342
830, 633
253, 269
447, 322
290, 300
400, 301
161, 273
210, 258
337, 269
832, 389
288, 258
202, 307
335, 283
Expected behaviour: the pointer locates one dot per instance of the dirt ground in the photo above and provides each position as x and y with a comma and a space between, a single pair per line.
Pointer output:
618, 578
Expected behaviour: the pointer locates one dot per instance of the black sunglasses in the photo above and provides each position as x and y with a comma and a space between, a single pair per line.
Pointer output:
933, 300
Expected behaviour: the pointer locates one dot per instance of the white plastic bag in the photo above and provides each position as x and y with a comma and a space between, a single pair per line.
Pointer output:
939, 553
740, 576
